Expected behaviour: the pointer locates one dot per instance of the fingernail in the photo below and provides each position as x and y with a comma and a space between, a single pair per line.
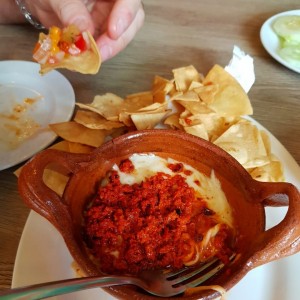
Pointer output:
106, 52
120, 27
81, 22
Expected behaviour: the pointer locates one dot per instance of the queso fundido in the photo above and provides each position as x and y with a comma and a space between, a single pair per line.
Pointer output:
237, 200
152, 213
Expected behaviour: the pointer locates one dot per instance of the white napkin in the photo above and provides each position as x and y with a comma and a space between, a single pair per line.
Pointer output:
241, 67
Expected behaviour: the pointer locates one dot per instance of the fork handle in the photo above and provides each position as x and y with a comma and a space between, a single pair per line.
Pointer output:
55, 288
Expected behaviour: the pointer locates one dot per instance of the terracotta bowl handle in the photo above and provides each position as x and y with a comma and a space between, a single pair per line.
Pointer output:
284, 238
41, 198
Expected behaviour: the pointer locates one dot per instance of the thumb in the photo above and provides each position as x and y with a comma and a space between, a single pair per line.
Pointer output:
73, 12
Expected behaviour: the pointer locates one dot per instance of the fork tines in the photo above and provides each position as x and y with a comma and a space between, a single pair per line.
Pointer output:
193, 276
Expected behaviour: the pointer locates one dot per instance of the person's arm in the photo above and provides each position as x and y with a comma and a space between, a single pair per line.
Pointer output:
10, 13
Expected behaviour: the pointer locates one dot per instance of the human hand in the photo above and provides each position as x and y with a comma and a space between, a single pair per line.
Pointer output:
113, 23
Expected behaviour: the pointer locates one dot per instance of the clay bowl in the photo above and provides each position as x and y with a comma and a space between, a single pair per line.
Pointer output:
247, 197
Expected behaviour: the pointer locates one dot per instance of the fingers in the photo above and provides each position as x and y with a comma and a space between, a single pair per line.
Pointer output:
123, 14
73, 12
110, 46
117, 21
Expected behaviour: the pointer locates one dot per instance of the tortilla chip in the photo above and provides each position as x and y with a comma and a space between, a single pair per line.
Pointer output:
173, 122
147, 120
160, 88
244, 142
80, 148
266, 141
190, 96
74, 132
230, 99
195, 84
207, 92
154, 108
197, 130
93, 120
124, 117
271, 172
195, 107
159, 97
62, 146
184, 77
72, 147
86, 62
55, 181
214, 124
134, 102
107, 105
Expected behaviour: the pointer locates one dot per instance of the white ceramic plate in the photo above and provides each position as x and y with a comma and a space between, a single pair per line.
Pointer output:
42, 255
53, 101
271, 41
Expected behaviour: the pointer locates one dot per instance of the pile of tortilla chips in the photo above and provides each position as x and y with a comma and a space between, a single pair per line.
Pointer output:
211, 107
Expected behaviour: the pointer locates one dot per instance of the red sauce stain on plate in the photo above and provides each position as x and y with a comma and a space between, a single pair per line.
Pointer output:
17, 125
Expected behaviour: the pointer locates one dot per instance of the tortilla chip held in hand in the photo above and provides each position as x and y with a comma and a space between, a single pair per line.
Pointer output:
67, 48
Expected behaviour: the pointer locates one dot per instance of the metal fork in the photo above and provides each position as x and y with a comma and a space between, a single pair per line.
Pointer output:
158, 283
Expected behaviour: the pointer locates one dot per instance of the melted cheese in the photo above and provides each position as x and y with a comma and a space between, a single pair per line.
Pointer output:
210, 189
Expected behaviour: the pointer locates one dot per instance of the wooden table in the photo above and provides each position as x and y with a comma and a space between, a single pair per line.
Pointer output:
176, 33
